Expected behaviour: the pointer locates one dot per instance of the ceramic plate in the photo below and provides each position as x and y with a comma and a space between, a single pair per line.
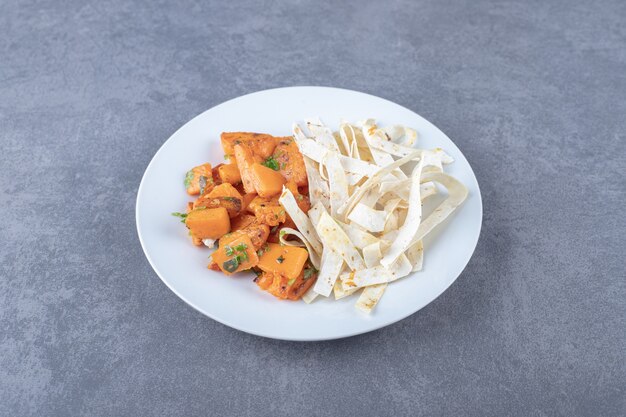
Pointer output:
236, 301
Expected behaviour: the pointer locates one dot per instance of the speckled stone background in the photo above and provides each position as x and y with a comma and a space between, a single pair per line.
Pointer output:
534, 93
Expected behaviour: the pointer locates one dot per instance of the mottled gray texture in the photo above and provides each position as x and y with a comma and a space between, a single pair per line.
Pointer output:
532, 92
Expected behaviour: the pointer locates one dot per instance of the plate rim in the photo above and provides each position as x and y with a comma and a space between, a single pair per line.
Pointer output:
263, 334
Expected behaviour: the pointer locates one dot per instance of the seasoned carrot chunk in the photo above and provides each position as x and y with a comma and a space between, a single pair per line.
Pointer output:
224, 195
242, 221
285, 260
235, 254
267, 210
257, 233
199, 179
245, 159
262, 143
210, 223
290, 162
229, 173
284, 288
247, 199
266, 181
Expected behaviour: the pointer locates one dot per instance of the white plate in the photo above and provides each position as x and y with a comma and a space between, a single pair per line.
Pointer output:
237, 301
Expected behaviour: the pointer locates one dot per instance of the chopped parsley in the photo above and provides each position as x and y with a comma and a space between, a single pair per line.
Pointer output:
232, 199
263, 249
280, 259
309, 272
183, 216
231, 265
188, 178
271, 163
300, 197
291, 281
228, 250
202, 181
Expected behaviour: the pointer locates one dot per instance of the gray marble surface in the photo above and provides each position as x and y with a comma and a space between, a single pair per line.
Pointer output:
532, 92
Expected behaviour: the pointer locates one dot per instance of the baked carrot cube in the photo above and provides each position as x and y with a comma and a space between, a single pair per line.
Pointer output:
267, 210
224, 195
235, 254
284, 260
245, 159
199, 179
285, 288
229, 173
266, 181
211, 223
290, 162
263, 144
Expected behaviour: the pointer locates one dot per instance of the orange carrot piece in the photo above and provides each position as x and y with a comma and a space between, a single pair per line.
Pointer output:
210, 223
290, 162
229, 173
199, 179
285, 260
266, 181
235, 255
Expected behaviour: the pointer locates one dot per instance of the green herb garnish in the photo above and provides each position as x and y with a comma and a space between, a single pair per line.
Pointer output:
280, 259
271, 163
233, 199
228, 250
309, 272
241, 247
183, 216
291, 281
263, 249
231, 265
188, 179
202, 181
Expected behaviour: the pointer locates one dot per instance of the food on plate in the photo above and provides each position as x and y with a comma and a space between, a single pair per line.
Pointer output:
321, 212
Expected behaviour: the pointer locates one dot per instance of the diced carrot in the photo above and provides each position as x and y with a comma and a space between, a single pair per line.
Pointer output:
242, 221
267, 210
285, 288
290, 162
274, 236
229, 173
257, 233
224, 190
266, 181
247, 199
199, 179
215, 173
285, 260
210, 223
235, 255
245, 159
224, 195
263, 144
